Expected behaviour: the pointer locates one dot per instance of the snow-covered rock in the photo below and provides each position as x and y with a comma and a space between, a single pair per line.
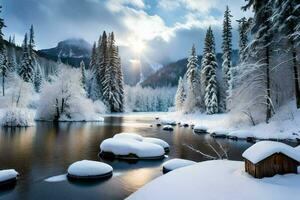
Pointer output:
261, 150
216, 180
17, 117
8, 175
157, 141
133, 136
168, 122
131, 149
88, 169
176, 163
168, 128
200, 129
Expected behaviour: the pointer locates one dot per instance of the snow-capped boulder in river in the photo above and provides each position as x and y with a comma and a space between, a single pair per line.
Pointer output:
157, 141
133, 136
128, 148
88, 169
7, 177
168, 128
200, 129
176, 163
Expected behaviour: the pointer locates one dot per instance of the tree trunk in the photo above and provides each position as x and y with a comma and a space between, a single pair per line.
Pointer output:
296, 80
269, 107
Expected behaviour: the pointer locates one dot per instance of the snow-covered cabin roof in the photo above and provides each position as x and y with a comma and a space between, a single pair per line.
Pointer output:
264, 149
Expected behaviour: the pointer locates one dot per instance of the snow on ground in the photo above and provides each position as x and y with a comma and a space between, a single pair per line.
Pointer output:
218, 179
86, 168
264, 149
125, 147
8, 174
17, 117
176, 163
284, 125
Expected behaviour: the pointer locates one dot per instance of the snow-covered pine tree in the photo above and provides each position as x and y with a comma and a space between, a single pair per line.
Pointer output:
26, 70
31, 43
286, 18
180, 95
208, 74
93, 57
110, 86
2, 25
120, 83
83, 74
244, 25
38, 79
261, 49
192, 81
227, 64
3, 67
12, 60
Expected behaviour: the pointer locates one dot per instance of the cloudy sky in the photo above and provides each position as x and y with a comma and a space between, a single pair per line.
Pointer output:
156, 29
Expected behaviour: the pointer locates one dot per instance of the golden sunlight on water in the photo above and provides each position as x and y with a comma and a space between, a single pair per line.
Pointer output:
137, 178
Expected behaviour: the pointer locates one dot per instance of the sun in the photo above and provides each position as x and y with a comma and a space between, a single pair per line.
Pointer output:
137, 46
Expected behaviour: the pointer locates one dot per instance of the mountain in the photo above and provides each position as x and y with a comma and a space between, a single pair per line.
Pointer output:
170, 73
71, 51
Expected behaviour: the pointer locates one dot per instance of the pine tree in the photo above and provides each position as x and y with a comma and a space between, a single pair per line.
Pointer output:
180, 95
243, 29
38, 79
26, 70
192, 81
12, 64
93, 57
227, 51
31, 43
110, 86
261, 48
2, 25
120, 83
83, 74
208, 74
286, 21
3, 68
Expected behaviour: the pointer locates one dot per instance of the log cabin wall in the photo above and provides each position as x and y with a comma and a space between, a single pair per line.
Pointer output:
277, 163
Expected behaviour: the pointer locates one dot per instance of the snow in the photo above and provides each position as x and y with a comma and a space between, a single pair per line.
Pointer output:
168, 128
157, 141
89, 168
177, 163
57, 178
127, 146
200, 128
133, 136
167, 122
261, 150
8, 174
16, 117
218, 179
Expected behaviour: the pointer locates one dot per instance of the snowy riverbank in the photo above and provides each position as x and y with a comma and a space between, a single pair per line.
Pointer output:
220, 179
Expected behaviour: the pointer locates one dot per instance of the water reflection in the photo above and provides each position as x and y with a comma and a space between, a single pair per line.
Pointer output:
47, 150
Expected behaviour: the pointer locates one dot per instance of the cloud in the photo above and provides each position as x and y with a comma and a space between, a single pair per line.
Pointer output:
167, 28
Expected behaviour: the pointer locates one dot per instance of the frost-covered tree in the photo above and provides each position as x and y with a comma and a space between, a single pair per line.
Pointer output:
63, 99
38, 79
286, 17
261, 50
3, 68
227, 51
26, 69
208, 74
180, 95
192, 79
12, 60
83, 74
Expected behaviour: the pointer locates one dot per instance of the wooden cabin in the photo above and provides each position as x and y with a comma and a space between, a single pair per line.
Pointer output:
268, 158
